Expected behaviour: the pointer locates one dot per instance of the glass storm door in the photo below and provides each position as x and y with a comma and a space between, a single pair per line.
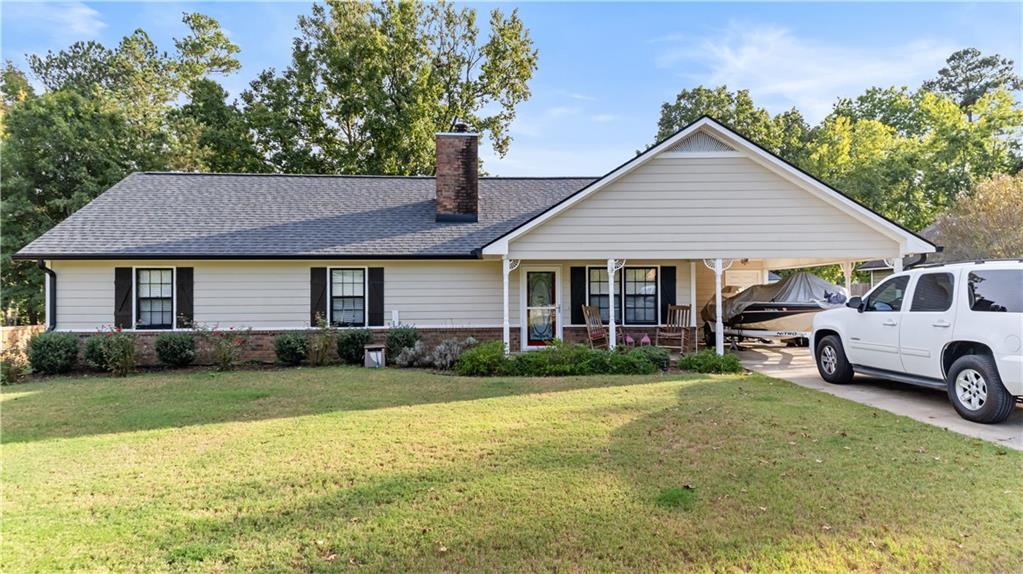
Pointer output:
541, 308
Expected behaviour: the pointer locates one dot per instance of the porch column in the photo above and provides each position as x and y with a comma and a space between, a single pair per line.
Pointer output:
719, 324
897, 263
506, 322
611, 335
847, 271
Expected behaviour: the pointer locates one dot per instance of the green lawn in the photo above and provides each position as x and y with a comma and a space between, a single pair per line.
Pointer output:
348, 469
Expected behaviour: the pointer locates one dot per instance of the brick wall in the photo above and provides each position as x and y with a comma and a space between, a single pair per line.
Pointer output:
457, 177
259, 344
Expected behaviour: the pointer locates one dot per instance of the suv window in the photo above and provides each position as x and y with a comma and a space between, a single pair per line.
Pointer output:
888, 295
933, 292
997, 290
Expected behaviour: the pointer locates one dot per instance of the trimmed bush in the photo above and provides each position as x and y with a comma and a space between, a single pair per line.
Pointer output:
351, 345
484, 360
119, 348
414, 356
175, 349
322, 342
94, 352
708, 361
51, 353
656, 355
399, 338
291, 348
446, 354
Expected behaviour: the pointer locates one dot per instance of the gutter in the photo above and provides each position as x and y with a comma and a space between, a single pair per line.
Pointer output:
51, 313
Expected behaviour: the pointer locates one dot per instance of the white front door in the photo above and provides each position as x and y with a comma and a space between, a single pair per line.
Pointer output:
927, 324
540, 289
874, 333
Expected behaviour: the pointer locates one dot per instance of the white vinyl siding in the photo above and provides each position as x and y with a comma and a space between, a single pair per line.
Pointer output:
675, 207
275, 294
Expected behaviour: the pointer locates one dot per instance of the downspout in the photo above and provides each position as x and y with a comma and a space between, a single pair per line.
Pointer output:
51, 313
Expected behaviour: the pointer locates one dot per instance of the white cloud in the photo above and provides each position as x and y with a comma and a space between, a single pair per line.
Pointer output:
577, 96
603, 118
562, 111
782, 70
62, 23
574, 160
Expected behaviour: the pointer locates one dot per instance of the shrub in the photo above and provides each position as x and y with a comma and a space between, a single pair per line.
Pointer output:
656, 355
708, 361
351, 345
414, 356
12, 366
119, 348
401, 337
94, 352
322, 342
175, 349
291, 348
224, 348
51, 352
484, 360
446, 354
559, 360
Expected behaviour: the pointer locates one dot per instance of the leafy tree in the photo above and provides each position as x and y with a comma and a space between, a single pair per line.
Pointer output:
784, 134
370, 84
970, 75
986, 223
224, 141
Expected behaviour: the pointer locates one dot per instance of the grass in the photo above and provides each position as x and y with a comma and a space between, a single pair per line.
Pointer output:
336, 469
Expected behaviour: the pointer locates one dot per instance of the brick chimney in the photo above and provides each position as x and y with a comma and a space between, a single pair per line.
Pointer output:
458, 175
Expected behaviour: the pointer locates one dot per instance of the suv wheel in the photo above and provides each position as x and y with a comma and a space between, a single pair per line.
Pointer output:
831, 361
976, 390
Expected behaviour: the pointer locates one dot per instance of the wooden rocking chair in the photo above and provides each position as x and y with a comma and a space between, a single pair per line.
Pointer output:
595, 331
674, 334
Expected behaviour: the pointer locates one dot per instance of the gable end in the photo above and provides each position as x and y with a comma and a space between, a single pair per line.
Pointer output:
699, 142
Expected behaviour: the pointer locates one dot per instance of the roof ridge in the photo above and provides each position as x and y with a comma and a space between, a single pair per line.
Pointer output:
354, 176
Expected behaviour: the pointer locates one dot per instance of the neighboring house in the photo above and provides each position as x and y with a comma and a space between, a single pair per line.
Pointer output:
497, 258
881, 268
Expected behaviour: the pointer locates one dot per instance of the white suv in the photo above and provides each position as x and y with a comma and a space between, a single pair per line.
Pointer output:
955, 327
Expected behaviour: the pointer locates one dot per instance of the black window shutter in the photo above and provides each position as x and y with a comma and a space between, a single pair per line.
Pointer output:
122, 297
317, 295
186, 300
376, 297
667, 290
578, 287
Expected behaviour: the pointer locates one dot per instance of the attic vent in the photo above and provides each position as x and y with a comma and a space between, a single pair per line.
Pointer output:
699, 142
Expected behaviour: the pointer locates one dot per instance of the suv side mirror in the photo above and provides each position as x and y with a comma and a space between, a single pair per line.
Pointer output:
855, 303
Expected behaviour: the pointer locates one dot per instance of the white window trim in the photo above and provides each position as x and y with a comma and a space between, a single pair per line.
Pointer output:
621, 295
365, 296
559, 315
135, 301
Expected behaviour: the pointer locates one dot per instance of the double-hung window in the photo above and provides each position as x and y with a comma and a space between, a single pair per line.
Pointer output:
639, 285
348, 297
154, 293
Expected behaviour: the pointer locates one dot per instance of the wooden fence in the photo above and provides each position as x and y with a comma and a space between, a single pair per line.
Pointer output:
16, 338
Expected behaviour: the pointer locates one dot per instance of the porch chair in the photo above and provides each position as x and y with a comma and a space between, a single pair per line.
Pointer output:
596, 334
674, 334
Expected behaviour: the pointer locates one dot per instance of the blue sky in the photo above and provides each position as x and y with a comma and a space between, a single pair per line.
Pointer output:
605, 68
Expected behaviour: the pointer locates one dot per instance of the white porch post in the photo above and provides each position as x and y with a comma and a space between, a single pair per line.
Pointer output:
506, 322
611, 335
719, 326
897, 263
847, 271
692, 294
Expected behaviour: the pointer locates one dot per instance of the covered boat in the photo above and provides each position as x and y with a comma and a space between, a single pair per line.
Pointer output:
784, 309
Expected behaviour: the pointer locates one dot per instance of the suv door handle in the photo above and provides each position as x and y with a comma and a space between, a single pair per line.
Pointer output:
889, 323
941, 323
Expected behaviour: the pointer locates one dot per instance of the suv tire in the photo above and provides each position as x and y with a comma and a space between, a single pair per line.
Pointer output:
976, 390
832, 364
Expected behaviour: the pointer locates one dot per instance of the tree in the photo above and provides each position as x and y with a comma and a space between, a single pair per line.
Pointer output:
370, 84
969, 76
223, 138
986, 223
784, 134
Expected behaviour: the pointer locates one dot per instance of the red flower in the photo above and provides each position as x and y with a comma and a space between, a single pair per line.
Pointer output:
238, 341
118, 329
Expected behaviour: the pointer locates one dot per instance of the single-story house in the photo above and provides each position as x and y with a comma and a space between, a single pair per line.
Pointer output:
508, 258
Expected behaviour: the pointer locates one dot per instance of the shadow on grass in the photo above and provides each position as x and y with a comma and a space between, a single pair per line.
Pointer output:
778, 478
73, 407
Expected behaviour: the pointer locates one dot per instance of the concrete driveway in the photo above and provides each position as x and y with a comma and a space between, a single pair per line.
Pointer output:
926, 405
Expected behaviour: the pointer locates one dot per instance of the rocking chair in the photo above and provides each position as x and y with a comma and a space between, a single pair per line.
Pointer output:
595, 331
674, 334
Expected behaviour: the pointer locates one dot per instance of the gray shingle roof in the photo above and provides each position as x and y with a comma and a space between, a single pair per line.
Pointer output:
214, 215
